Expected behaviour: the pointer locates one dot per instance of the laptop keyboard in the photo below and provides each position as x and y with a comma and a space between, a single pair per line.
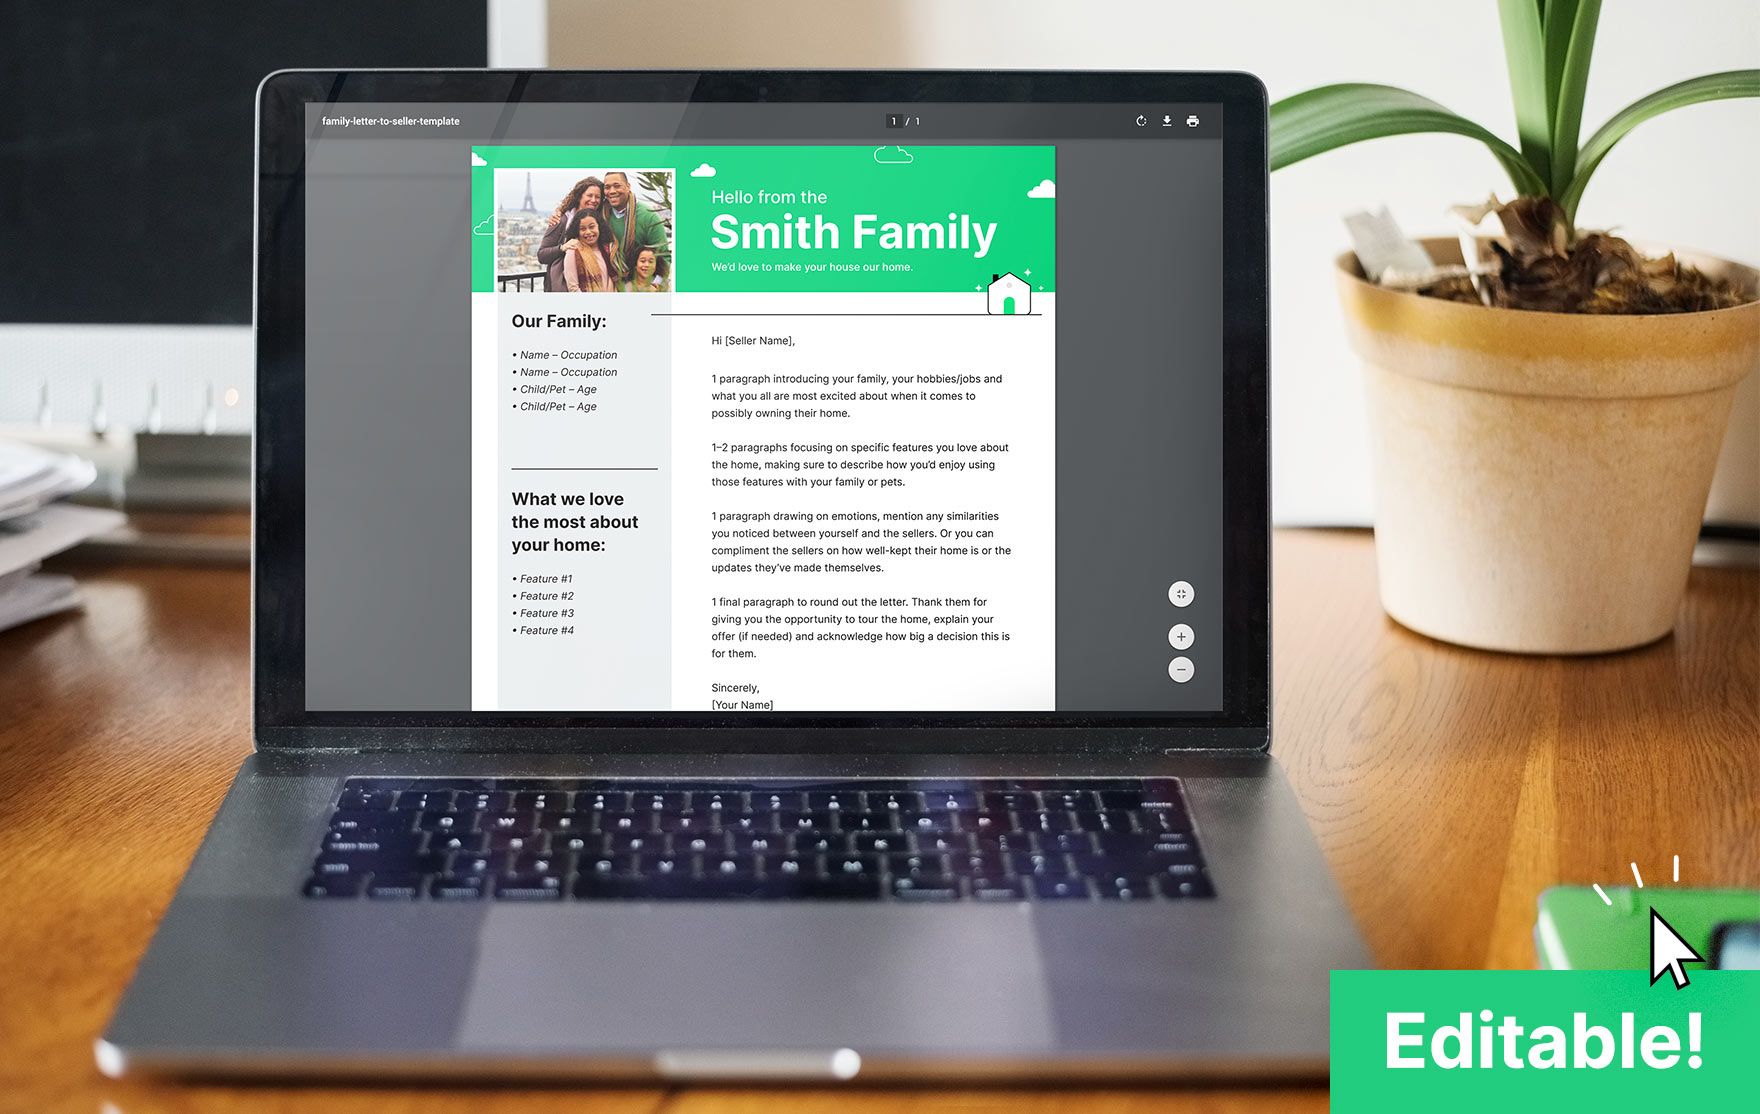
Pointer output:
904, 841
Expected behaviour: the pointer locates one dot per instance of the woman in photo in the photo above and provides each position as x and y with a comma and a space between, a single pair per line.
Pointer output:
643, 278
587, 195
587, 256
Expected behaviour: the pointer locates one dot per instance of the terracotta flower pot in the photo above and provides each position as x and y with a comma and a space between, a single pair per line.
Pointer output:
1540, 477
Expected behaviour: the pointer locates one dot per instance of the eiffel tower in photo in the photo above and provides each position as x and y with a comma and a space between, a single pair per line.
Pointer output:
530, 206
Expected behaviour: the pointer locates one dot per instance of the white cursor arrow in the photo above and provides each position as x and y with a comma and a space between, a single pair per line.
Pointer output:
1668, 951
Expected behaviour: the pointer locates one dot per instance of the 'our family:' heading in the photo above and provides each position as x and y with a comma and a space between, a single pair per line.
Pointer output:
959, 232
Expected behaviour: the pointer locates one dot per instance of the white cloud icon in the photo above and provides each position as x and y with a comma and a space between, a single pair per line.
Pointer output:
478, 160
703, 171
485, 227
896, 155
1046, 188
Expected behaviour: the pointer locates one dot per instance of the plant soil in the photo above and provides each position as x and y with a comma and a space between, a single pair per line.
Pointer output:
1539, 264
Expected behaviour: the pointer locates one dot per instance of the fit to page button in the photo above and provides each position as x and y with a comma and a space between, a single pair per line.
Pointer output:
1180, 593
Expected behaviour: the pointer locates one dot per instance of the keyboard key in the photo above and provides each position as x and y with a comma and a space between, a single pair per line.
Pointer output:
487, 800
702, 843
748, 822
1162, 793
883, 821
372, 800
354, 821
1164, 821
757, 842
1124, 887
789, 866
915, 866
470, 843
1063, 843
894, 800
1037, 863
426, 800
843, 865
458, 887
399, 843
815, 842
838, 799
1185, 887
347, 886
1013, 800
528, 887
1067, 800
946, 843
945, 888
621, 843
951, 801
870, 843
980, 864
446, 821
405, 887
599, 800
544, 799
776, 800
511, 841
930, 822
997, 889
563, 842
1060, 889
568, 821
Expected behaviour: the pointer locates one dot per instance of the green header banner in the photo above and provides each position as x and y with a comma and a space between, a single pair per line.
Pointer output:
1441, 1041
782, 219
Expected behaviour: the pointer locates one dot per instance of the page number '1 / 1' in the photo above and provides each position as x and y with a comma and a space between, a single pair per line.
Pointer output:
898, 120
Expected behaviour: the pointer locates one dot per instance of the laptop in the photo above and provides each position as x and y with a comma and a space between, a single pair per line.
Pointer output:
758, 575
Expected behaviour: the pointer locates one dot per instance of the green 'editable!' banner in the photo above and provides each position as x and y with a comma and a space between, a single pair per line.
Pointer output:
1438, 1041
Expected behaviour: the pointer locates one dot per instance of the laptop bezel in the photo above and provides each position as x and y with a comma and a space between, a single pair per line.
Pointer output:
280, 718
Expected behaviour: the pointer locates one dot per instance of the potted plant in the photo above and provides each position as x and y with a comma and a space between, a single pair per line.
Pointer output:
1545, 428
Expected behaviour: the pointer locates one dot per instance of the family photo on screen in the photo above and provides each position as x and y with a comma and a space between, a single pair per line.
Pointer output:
606, 232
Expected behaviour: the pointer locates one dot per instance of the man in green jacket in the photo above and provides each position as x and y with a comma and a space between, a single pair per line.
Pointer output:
635, 227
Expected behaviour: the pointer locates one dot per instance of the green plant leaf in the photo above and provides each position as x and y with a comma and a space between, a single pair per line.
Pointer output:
1334, 116
1711, 87
1524, 52
1570, 41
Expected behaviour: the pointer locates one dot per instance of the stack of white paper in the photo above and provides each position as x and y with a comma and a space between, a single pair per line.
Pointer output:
33, 526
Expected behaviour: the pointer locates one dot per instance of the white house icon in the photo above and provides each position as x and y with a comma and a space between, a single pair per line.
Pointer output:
1009, 295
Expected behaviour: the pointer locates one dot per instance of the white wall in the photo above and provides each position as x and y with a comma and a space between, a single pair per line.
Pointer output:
1688, 179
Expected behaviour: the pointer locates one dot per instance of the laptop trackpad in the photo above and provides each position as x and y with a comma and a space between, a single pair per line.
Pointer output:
772, 976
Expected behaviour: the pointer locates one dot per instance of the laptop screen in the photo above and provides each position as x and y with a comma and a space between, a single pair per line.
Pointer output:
764, 409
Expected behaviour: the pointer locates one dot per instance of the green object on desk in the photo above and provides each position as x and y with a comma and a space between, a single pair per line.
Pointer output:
1577, 931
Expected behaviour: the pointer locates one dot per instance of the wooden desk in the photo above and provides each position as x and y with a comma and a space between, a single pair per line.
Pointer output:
1448, 788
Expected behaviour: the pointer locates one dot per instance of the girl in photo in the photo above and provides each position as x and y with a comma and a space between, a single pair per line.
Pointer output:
587, 255
587, 195
643, 278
